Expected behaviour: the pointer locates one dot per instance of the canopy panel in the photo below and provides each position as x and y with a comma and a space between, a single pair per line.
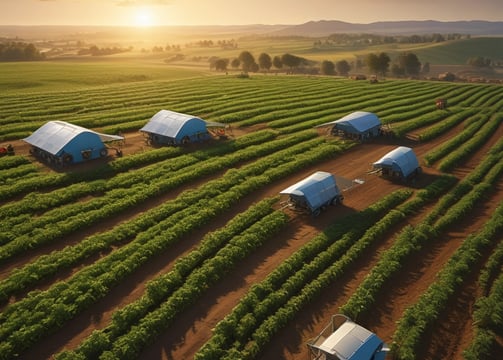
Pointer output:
317, 189
361, 121
400, 159
55, 135
169, 123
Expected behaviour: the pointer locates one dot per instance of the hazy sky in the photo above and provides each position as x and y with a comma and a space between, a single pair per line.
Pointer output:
236, 12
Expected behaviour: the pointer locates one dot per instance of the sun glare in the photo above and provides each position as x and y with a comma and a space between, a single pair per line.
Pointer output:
144, 18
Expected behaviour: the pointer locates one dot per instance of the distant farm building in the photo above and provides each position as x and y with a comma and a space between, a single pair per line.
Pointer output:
172, 128
400, 163
61, 143
359, 125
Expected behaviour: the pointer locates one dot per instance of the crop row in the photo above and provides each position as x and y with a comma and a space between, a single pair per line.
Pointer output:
49, 264
419, 319
411, 239
456, 157
171, 293
456, 141
131, 188
125, 164
487, 319
270, 304
38, 314
446, 124
128, 111
132, 174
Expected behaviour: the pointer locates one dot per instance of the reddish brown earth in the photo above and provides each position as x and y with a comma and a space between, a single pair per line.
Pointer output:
193, 327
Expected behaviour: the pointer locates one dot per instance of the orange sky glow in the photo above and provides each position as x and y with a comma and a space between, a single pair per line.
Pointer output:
145, 13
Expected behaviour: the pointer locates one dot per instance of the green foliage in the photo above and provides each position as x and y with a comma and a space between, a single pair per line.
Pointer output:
41, 207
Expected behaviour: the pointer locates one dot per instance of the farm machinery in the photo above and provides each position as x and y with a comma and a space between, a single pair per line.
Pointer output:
343, 339
314, 193
6, 150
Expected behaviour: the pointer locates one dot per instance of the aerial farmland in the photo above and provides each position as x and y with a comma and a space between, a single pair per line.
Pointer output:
190, 251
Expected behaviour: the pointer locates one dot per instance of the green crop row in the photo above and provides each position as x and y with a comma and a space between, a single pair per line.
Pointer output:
125, 164
9, 162
419, 319
28, 320
269, 305
231, 335
126, 110
160, 288
488, 320
446, 124
9, 176
456, 141
130, 338
463, 152
411, 239
75, 216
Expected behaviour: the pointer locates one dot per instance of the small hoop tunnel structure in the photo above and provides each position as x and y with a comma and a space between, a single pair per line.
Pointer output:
168, 127
314, 193
399, 163
61, 143
359, 125
343, 339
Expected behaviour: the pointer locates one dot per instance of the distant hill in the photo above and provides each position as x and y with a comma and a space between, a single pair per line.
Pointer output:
327, 27
309, 29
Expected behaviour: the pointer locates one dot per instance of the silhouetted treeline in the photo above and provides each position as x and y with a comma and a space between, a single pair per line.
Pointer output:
96, 51
373, 39
19, 51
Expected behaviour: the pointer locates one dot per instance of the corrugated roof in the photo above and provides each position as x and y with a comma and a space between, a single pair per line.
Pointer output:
54, 135
402, 157
351, 341
317, 188
360, 120
167, 123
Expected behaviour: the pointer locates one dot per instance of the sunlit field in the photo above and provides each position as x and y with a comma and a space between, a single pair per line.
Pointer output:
190, 252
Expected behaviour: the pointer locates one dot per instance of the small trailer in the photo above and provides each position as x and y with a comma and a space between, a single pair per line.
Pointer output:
343, 339
314, 193
400, 163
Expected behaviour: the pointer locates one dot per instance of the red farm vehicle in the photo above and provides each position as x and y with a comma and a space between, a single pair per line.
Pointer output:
6, 150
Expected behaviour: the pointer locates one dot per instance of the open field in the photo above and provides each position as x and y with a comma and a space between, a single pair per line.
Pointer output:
180, 253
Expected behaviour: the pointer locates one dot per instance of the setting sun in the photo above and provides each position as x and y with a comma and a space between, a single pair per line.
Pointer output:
143, 18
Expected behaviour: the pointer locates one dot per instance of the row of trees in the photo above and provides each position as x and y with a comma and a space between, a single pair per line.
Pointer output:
96, 51
375, 39
407, 64
19, 51
482, 62
246, 62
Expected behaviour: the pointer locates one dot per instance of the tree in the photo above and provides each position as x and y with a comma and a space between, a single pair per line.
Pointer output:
247, 61
479, 61
378, 64
342, 67
409, 63
327, 67
221, 64
397, 71
277, 63
291, 61
235, 63
383, 63
426, 68
264, 61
